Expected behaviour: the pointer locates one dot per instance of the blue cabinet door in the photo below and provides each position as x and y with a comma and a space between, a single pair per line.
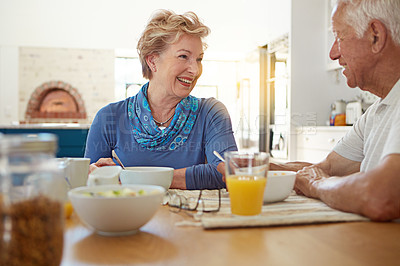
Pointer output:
71, 142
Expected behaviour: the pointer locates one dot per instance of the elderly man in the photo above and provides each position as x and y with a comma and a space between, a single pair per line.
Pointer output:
362, 173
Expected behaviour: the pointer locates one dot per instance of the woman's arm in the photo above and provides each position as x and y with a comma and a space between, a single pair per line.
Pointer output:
179, 179
100, 140
218, 136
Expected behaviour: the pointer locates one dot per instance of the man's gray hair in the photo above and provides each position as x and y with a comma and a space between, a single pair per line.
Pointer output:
359, 13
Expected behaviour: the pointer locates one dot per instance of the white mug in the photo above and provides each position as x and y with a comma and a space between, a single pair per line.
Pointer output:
76, 171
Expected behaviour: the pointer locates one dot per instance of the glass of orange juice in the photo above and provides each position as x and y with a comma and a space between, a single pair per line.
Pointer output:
246, 177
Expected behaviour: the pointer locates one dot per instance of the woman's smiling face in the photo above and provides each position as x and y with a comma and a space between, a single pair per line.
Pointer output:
179, 66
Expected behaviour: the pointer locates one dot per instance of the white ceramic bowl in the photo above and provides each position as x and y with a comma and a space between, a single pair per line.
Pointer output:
160, 176
106, 175
116, 215
279, 185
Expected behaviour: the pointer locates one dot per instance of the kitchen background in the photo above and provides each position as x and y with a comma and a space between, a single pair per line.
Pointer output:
267, 61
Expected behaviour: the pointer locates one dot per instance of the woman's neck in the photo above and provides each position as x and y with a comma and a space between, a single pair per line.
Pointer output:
162, 106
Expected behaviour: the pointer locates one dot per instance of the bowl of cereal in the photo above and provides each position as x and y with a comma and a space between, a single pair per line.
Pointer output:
149, 175
279, 185
113, 210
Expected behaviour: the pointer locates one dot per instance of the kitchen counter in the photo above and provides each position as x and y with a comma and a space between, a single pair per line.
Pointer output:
315, 129
46, 126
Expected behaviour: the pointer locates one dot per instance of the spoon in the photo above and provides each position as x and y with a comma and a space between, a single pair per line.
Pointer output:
118, 160
219, 156
222, 159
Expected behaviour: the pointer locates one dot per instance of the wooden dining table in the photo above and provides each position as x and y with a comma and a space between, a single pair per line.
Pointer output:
167, 240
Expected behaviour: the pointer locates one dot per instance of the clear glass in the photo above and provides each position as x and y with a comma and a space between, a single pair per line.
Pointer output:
246, 177
32, 195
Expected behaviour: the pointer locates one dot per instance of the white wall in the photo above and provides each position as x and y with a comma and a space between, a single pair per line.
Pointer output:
8, 84
89, 71
313, 88
237, 28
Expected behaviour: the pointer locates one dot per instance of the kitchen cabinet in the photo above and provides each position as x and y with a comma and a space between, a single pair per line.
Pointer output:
314, 143
71, 139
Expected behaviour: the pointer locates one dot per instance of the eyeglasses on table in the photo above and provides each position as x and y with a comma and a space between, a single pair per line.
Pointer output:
178, 202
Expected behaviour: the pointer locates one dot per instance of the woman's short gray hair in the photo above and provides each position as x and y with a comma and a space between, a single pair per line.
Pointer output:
165, 28
359, 13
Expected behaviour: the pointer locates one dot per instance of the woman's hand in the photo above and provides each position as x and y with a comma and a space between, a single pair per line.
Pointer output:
221, 169
101, 162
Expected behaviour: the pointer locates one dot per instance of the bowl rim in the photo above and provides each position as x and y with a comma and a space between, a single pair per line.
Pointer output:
106, 168
147, 169
287, 173
76, 192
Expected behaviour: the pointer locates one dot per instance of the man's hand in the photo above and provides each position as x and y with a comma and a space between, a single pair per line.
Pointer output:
306, 179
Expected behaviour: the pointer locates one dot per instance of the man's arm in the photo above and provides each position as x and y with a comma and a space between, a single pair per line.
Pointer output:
333, 164
374, 194
291, 166
337, 165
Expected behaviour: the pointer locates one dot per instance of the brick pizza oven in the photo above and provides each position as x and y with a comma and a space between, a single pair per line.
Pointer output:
55, 101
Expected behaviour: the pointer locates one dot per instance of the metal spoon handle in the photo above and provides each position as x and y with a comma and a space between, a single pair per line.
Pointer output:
219, 156
222, 159
118, 160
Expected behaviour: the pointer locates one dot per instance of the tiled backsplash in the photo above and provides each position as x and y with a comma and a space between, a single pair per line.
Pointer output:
89, 71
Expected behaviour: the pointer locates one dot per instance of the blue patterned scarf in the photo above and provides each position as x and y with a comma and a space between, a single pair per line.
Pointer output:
147, 133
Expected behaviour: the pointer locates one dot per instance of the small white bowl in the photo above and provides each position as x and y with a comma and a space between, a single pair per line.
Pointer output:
160, 176
106, 175
279, 185
113, 216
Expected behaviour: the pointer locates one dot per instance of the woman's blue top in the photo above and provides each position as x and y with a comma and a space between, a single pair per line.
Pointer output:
112, 129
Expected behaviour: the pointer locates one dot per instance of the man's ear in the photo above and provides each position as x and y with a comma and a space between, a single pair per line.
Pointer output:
151, 61
378, 33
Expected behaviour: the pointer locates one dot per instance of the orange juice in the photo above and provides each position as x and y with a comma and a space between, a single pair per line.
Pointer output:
246, 193
68, 209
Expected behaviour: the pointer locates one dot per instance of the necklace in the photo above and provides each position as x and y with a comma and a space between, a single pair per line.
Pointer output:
162, 123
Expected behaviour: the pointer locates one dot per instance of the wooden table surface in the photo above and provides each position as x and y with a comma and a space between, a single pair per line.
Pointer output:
162, 242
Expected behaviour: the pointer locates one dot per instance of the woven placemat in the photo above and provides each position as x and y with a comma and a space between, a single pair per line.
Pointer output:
292, 211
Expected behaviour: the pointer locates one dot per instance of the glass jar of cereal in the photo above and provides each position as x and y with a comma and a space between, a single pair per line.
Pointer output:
32, 192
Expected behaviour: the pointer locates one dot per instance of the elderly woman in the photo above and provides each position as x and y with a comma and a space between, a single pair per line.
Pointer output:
163, 125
